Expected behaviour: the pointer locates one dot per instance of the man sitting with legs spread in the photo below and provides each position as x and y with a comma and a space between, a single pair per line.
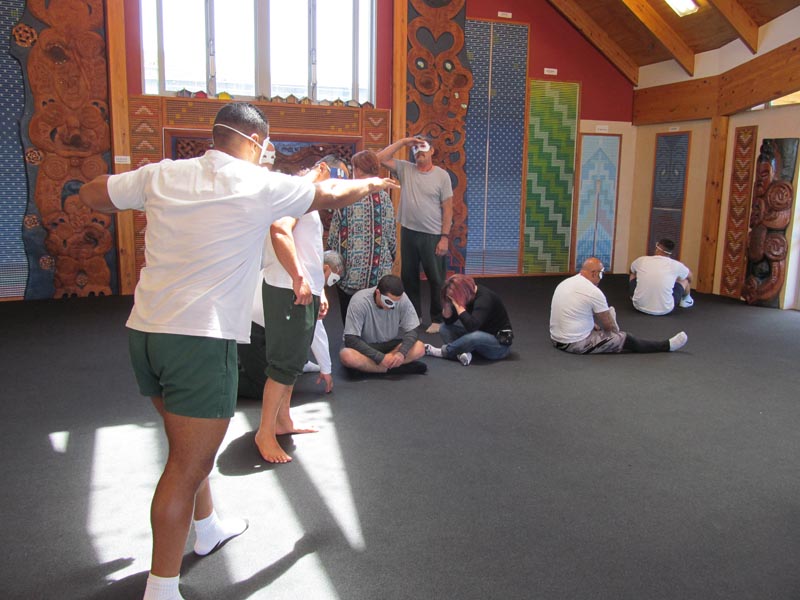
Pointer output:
581, 322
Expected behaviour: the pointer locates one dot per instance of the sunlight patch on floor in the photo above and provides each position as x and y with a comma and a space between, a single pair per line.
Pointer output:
59, 440
275, 554
321, 457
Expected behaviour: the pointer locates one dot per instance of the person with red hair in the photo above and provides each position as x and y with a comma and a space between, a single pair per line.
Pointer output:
475, 322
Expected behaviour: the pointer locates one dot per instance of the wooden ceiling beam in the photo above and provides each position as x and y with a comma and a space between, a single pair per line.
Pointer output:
764, 78
674, 43
746, 28
597, 36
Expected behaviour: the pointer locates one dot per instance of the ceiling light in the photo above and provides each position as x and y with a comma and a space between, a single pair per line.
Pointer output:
683, 7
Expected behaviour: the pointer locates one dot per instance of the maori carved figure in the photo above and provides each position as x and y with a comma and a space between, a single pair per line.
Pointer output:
770, 216
68, 131
438, 87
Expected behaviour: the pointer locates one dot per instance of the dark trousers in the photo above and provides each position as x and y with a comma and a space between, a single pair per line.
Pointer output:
420, 248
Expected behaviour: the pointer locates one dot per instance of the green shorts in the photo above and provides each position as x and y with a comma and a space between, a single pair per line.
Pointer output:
195, 376
289, 331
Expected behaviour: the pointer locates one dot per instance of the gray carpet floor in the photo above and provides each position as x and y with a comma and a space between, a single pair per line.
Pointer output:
544, 476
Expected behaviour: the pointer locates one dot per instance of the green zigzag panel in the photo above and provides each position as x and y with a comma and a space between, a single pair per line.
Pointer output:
552, 134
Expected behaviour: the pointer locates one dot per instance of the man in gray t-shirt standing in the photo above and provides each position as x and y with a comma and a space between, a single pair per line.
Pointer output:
426, 215
380, 331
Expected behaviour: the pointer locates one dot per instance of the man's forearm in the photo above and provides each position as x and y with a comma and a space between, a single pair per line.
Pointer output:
338, 193
390, 150
286, 253
447, 216
409, 339
354, 342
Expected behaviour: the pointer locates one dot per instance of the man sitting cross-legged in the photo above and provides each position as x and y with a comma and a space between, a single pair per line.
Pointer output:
380, 332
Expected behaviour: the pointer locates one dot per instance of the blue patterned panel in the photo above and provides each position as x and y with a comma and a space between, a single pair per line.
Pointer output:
495, 145
669, 189
597, 201
477, 39
14, 195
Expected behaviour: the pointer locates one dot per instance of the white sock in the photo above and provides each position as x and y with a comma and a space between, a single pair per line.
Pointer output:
162, 588
310, 367
678, 341
465, 358
433, 351
212, 531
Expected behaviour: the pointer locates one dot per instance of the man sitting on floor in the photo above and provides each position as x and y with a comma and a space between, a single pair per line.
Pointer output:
581, 321
659, 283
380, 331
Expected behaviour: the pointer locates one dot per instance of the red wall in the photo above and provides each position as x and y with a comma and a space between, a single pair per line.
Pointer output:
605, 94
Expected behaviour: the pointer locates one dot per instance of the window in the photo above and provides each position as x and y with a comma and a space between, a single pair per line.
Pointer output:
320, 49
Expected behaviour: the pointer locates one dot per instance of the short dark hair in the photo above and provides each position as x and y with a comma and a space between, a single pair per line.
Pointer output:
333, 162
242, 116
391, 284
667, 245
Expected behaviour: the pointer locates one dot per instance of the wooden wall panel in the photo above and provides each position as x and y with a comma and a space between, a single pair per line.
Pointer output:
713, 204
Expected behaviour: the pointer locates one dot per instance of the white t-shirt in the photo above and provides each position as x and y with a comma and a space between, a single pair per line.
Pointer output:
575, 302
307, 234
206, 222
655, 279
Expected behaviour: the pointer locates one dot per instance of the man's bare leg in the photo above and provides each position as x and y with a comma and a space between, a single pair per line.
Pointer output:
193, 445
275, 394
284, 424
353, 359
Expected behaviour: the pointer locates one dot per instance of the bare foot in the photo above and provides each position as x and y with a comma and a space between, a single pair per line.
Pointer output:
270, 450
289, 428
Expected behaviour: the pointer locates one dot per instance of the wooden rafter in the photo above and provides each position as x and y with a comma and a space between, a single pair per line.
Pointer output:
746, 28
598, 38
674, 43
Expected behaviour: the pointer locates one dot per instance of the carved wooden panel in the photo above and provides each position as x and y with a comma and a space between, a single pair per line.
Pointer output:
733, 262
70, 249
439, 81
770, 214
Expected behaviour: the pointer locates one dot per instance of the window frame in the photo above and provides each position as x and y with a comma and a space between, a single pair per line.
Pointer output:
261, 77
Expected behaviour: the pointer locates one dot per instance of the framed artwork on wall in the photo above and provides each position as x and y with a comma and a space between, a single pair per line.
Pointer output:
595, 221
669, 189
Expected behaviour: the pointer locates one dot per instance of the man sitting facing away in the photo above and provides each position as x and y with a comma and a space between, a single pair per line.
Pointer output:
581, 322
380, 331
659, 283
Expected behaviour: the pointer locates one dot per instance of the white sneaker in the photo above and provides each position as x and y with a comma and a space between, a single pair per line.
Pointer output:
686, 302
465, 358
434, 328
678, 341
311, 367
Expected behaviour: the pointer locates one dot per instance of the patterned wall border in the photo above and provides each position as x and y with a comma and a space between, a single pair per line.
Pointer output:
734, 253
